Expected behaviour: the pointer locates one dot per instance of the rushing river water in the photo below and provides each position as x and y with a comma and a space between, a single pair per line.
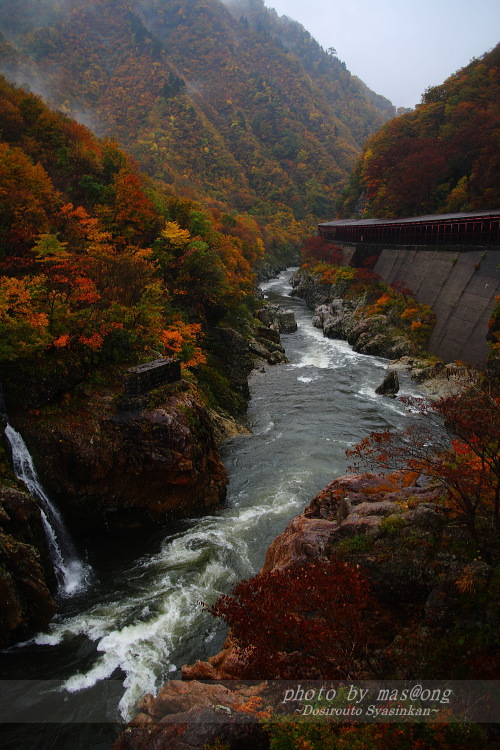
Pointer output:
142, 619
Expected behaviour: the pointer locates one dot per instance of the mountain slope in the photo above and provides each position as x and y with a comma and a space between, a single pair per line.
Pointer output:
248, 110
99, 265
443, 156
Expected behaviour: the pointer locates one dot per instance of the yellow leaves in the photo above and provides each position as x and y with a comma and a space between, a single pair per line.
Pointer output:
368, 156
23, 328
176, 237
146, 253
16, 301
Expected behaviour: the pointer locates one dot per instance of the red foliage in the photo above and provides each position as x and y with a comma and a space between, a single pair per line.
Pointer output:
464, 455
318, 249
307, 621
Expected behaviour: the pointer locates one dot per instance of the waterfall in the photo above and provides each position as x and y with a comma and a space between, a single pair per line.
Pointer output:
72, 573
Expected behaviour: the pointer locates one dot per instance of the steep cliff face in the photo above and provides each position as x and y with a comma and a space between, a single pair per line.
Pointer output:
26, 578
143, 462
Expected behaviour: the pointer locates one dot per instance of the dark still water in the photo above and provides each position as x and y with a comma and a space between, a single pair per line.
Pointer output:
141, 619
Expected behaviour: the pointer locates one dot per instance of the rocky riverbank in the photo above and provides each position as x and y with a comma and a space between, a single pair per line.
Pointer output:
27, 580
111, 462
423, 575
342, 313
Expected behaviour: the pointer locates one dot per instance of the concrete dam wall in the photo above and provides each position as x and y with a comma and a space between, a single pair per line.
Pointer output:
459, 283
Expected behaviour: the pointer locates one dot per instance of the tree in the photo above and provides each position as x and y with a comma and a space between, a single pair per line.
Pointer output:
316, 249
23, 328
27, 199
457, 442
308, 621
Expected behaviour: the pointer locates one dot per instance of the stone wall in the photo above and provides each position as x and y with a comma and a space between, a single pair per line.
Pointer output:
149, 375
459, 283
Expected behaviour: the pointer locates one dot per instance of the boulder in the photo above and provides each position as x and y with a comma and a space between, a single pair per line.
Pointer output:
234, 358
303, 539
274, 316
355, 525
347, 319
192, 715
390, 385
287, 322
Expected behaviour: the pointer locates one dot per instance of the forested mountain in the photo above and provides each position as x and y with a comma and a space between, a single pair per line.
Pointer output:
99, 265
442, 157
229, 104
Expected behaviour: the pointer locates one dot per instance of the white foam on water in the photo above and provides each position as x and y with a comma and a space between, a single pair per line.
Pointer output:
390, 404
143, 627
268, 428
138, 634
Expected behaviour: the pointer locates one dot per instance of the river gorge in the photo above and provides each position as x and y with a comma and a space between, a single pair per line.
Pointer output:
141, 617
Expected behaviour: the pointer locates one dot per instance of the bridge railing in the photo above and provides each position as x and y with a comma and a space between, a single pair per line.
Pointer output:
464, 231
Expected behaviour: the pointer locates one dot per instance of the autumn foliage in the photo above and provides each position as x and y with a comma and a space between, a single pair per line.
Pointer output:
457, 444
95, 260
311, 620
440, 158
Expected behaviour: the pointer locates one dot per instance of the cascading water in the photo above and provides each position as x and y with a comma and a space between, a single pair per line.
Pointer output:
142, 619
72, 573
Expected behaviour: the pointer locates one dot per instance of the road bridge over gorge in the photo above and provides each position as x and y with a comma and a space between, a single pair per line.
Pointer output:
448, 261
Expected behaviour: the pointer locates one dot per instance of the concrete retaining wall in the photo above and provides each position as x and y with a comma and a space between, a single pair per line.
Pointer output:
460, 284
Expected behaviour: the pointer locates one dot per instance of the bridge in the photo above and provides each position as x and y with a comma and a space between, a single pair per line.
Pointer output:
477, 228
448, 261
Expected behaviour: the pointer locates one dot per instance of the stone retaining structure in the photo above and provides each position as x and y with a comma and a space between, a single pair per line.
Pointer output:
149, 375
459, 283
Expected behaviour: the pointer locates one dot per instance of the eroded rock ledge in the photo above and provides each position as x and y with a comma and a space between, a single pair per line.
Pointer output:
352, 506
127, 464
26, 576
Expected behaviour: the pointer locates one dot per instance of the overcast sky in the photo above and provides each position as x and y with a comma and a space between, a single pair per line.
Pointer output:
399, 47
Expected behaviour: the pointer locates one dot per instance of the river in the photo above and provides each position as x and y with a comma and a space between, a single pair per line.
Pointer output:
142, 618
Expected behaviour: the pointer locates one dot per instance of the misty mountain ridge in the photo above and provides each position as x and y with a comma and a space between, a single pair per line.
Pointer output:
226, 103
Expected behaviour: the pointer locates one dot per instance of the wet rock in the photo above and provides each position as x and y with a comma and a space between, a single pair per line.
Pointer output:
303, 539
435, 379
274, 316
383, 508
26, 575
287, 322
389, 386
270, 334
352, 490
343, 318
188, 716
356, 525
233, 356
133, 468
